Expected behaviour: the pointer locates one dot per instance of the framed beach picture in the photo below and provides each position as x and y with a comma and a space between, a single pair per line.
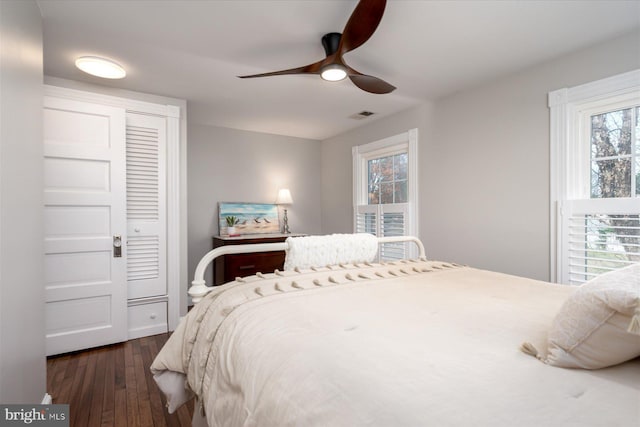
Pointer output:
249, 218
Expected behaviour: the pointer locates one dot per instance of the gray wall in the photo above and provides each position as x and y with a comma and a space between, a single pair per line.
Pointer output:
227, 165
22, 329
484, 163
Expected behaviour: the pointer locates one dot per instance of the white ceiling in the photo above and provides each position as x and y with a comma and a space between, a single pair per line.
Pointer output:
194, 50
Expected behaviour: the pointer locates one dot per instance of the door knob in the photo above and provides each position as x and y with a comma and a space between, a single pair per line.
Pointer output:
117, 246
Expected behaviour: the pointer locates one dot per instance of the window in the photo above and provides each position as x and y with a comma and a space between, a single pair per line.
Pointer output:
595, 165
385, 191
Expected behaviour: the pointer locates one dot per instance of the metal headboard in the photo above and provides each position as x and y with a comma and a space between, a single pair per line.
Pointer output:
199, 288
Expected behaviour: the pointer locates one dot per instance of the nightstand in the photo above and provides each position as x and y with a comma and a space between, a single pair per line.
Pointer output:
227, 267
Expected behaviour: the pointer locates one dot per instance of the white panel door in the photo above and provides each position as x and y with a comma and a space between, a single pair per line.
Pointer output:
85, 205
146, 206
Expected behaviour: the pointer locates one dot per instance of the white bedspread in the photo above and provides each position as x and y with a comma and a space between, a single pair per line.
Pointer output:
414, 344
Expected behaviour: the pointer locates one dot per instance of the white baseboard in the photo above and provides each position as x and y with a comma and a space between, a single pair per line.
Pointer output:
47, 399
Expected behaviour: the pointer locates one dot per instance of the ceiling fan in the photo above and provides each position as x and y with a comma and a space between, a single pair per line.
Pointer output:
360, 27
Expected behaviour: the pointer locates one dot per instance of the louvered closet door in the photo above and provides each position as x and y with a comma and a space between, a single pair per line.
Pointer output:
146, 206
84, 193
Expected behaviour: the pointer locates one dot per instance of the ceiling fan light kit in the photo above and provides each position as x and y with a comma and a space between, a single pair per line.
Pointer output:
360, 27
333, 73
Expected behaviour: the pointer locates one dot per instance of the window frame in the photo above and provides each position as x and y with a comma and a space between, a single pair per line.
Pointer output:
361, 154
570, 156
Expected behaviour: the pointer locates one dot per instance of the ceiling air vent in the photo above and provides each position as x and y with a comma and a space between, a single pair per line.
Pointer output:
361, 115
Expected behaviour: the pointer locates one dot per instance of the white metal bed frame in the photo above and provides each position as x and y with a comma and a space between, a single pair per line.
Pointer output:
199, 288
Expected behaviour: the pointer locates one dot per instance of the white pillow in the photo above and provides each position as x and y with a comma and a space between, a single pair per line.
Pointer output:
320, 251
599, 324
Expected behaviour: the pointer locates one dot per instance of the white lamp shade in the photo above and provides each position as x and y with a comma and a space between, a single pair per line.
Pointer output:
284, 197
100, 67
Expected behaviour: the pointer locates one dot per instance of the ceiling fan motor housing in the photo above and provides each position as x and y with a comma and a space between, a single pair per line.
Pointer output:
330, 42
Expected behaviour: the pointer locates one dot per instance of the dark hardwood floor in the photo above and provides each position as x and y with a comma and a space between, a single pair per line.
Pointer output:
112, 386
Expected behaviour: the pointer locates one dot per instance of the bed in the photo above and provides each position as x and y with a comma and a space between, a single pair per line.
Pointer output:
406, 343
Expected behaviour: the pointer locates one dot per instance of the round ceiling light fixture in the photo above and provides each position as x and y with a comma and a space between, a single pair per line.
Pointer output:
333, 73
100, 67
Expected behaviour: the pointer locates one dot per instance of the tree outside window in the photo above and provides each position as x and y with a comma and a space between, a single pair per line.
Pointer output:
387, 179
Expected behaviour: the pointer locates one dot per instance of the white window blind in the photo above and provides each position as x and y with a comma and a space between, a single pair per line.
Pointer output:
599, 236
384, 221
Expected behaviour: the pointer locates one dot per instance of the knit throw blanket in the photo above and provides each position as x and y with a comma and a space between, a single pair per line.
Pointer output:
319, 251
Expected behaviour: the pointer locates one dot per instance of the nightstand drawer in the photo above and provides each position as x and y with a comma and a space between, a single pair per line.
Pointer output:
241, 265
227, 267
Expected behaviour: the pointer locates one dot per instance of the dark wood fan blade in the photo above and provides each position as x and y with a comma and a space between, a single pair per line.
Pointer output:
307, 69
371, 84
362, 24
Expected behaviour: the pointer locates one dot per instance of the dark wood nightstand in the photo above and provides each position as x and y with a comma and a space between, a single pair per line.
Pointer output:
227, 267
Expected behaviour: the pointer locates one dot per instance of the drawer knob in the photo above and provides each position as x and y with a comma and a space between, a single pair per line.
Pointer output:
152, 316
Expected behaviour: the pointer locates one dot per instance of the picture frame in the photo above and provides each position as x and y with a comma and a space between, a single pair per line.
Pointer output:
249, 218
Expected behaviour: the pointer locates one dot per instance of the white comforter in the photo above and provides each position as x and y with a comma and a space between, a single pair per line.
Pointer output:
408, 344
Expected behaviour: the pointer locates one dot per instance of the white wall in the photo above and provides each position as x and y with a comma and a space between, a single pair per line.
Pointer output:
22, 329
227, 165
484, 164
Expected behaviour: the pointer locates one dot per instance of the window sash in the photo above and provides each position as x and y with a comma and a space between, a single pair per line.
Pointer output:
375, 192
578, 144
629, 102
